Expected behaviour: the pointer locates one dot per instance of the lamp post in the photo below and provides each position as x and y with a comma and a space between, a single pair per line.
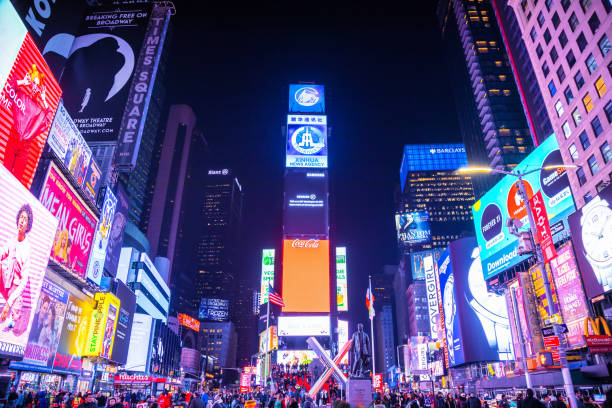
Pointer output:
567, 378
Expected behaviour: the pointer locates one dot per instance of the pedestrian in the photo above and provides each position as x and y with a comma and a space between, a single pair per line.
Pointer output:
12, 398
196, 401
532, 402
608, 402
473, 401
503, 403
20, 397
558, 402
89, 401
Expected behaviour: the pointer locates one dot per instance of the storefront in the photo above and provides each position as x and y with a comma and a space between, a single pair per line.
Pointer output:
142, 383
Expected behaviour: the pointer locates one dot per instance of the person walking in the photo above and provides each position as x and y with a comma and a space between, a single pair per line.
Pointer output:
473, 401
531, 402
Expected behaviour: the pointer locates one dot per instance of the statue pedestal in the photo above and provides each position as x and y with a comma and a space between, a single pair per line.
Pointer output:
359, 392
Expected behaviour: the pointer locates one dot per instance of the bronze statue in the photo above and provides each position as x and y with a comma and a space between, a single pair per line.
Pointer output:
360, 352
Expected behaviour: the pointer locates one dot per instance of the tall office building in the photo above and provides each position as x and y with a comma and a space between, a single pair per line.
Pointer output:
384, 320
219, 341
432, 192
417, 310
491, 116
569, 43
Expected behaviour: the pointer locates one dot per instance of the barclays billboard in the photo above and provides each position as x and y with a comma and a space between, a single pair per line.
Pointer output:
503, 203
306, 98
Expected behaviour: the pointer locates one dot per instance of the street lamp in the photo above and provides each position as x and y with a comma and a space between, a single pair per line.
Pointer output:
567, 378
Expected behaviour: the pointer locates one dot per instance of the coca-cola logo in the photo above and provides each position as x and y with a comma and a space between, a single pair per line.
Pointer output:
305, 243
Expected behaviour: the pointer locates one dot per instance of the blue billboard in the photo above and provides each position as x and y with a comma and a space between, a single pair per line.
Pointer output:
412, 228
503, 203
432, 157
214, 309
418, 264
306, 98
307, 141
476, 322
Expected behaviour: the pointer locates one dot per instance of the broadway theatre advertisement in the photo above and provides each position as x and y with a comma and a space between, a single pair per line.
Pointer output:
26, 236
74, 336
27, 105
47, 326
77, 222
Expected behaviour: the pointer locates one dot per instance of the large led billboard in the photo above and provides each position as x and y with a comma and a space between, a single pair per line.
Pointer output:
29, 99
100, 66
476, 322
499, 248
341, 280
343, 338
417, 262
432, 157
97, 254
115, 239
26, 237
306, 98
306, 211
73, 337
11, 37
127, 306
295, 357
102, 326
140, 338
267, 274
77, 222
216, 310
303, 326
306, 275
307, 141
413, 228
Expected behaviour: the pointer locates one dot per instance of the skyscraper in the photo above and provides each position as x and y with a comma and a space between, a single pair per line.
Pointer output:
491, 116
384, 320
568, 42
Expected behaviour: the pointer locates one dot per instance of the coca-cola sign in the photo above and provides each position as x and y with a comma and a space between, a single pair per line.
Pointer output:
305, 243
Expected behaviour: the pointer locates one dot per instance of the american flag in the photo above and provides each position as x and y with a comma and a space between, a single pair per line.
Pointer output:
275, 297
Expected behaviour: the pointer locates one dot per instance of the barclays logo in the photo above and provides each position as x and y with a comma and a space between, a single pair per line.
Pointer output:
307, 96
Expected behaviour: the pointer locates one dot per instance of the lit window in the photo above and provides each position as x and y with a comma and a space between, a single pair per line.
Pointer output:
591, 63
587, 102
566, 129
573, 150
559, 108
593, 165
492, 43
600, 85
604, 45
483, 50
577, 117
507, 92
588, 196
552, 88
498, 63
502, 78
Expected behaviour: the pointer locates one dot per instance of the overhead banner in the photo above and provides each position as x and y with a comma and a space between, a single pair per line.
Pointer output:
101, 335
413, 228
341, 280
133, 121
26, 237
67, 143
306, 205
74, 235
592, 234
267, 274
306, 98
127, 306
74, 337
502, 203
543, 234
307, 141
100, 67
29, 98
115, 239
101, 237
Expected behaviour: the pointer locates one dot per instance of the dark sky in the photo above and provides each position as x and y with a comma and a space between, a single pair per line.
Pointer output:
386, 86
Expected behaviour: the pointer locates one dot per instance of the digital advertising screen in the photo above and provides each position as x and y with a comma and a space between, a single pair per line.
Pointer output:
100, 66
499, 248
140, 338
11, 37
343, 338
73, 338
431, 288
341, 280
431, 157
591, 228
29, 98
267, 274
413, 228
306, 210
307, 141
26, 237
188, 321
306, 98
74, 235
216, 310
303, 326
306, 275
101, 236
416, 261
46, 327
127, 306
115, 239
476, 321
295, 357
103, 324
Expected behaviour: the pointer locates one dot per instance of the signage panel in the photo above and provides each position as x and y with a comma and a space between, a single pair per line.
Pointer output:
412, 228
431, 288
214, 309
343, 338
303, 326
127, 306
115, 239
543, 233
295, 357
74, 336
267, 274
307, 141
341, 280
11, 37
188, 321
101, 236
431, 157
499, 248
418, 266
138, 352
306, 209
103, 324
548, 315
26, 236
306, 98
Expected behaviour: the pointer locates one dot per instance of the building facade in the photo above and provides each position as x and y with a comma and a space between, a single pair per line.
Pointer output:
384, 319
569, 44
417, 310
219, 341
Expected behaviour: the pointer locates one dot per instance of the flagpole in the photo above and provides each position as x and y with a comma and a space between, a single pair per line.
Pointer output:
372, 328
268, 341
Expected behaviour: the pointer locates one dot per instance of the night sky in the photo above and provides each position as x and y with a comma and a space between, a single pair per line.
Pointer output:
386, 86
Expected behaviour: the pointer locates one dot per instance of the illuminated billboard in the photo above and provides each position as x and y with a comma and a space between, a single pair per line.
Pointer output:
306, 275
29, 100
306, 98
214, 309
140, 338
431, 287
73, 339
341, 280
295, 357
592, 233
74, 235
303, 326
432, 157
103, 323
26, 237
97, 254
499, 248
343, 338
476, 321
188, 321
412, 228
418, 266
115, 239
306, 209
307, 141
67, 143
127, 306
267, 274
11, 37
